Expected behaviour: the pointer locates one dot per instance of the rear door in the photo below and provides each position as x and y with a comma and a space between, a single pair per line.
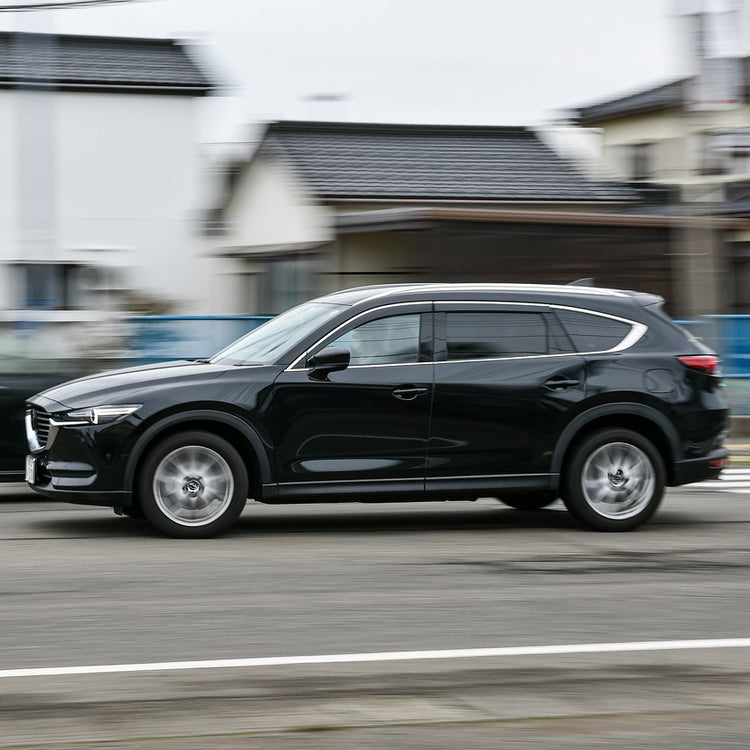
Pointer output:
506, 378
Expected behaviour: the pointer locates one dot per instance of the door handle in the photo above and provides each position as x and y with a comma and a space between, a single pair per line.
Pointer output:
561, 383
410, 392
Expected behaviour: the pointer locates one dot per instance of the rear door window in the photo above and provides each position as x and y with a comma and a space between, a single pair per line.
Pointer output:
492, 334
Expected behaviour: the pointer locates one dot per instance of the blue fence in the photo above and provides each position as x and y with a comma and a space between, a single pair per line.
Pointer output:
729, 335
158, 338
96, 343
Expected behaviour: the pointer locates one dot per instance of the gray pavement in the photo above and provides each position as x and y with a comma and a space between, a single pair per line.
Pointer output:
84, 587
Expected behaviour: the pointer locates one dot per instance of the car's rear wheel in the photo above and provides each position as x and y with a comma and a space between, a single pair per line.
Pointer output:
614, 481
193, 484
529, 501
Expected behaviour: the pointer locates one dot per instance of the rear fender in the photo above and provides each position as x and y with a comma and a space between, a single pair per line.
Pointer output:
579, 423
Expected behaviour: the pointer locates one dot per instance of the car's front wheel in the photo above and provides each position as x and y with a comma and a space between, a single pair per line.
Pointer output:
614, 480
193, 484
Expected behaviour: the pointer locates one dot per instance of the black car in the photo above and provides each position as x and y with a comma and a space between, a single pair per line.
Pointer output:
400, 392
19, 379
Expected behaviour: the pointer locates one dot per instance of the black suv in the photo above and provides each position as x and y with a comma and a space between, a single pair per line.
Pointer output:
400, 392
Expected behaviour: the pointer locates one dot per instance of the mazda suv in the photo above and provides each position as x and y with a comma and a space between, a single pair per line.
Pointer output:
526, 393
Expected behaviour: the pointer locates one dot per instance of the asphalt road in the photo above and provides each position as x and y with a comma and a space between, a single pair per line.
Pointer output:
82, 587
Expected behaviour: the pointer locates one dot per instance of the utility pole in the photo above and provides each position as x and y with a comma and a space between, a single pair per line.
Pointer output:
714, 85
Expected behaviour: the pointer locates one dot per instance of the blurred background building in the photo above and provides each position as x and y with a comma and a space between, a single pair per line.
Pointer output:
109, 206
325, 205
100, 187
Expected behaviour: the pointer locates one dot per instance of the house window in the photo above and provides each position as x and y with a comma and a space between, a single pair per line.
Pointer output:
285, 282
642, 161
741, 281
725, 152
713, 150
47, 285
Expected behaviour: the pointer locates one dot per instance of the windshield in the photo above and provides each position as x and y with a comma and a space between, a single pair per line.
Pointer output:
268, 342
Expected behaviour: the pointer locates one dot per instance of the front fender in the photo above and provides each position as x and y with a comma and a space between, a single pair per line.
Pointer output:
198, 415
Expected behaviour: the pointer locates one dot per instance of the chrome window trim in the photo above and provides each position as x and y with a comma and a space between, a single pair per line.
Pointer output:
331, 334
637, 331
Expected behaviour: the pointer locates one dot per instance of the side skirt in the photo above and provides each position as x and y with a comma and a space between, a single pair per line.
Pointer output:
406, 490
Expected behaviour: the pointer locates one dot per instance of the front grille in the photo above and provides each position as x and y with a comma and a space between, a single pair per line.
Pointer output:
40, 425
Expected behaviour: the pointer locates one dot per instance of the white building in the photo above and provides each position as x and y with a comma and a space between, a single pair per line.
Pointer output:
100, 175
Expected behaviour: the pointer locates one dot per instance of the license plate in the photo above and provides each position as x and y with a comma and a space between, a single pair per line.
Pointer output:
30, 469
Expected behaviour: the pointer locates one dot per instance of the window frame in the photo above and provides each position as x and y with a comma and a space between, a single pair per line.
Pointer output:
637, 330
432, 338
426, 336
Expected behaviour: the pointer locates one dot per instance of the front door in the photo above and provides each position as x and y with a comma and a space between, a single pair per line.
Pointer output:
364, 429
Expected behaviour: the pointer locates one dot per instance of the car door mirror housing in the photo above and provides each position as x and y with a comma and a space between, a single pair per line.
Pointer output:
330, 359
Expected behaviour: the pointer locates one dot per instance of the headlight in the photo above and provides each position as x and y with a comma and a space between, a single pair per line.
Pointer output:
95, 415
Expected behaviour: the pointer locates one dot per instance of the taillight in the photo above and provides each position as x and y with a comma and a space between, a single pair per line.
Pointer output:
707, 363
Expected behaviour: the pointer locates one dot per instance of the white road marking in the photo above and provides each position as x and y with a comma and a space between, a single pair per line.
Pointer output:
731, 480
464, 653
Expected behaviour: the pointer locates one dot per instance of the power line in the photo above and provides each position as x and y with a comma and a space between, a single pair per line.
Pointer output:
60, 5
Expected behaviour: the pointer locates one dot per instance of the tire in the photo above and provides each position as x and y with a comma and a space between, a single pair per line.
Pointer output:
529, 501
193, 485
614, 481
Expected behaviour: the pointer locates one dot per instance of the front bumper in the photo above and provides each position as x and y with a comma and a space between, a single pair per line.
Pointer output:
82, 464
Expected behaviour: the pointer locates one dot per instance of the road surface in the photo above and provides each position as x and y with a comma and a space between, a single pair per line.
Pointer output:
343, 602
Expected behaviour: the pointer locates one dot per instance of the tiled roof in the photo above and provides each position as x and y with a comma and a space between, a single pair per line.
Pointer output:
435, 162
86, 62
665, 96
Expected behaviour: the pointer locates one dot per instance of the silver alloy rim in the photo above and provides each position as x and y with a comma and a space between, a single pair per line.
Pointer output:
193, 485
618, 480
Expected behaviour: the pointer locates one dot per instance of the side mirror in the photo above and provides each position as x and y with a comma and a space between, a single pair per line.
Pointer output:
330, 359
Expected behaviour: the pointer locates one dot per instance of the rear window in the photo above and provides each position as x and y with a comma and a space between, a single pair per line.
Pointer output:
593, 333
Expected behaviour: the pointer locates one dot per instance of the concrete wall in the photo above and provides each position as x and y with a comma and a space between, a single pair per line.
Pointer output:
270, 206
106, 180
676, 153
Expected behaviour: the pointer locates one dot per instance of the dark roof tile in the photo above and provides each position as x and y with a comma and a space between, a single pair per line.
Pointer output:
80, 62
366, 160
669, 95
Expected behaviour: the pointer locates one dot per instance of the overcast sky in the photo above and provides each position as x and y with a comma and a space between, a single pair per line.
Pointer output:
489, 62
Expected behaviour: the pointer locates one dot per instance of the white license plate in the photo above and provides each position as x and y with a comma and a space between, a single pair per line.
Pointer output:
30, 469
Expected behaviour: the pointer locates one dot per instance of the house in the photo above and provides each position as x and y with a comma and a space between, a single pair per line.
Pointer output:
100, 189
699, 158
321, 206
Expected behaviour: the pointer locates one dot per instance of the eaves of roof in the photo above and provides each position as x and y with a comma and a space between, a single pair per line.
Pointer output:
659, 98
420, 218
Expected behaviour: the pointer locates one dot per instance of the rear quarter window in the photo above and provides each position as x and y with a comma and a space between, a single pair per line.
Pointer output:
593, 333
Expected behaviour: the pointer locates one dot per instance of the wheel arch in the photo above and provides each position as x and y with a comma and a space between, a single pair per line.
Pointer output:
237, 432
640, 418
